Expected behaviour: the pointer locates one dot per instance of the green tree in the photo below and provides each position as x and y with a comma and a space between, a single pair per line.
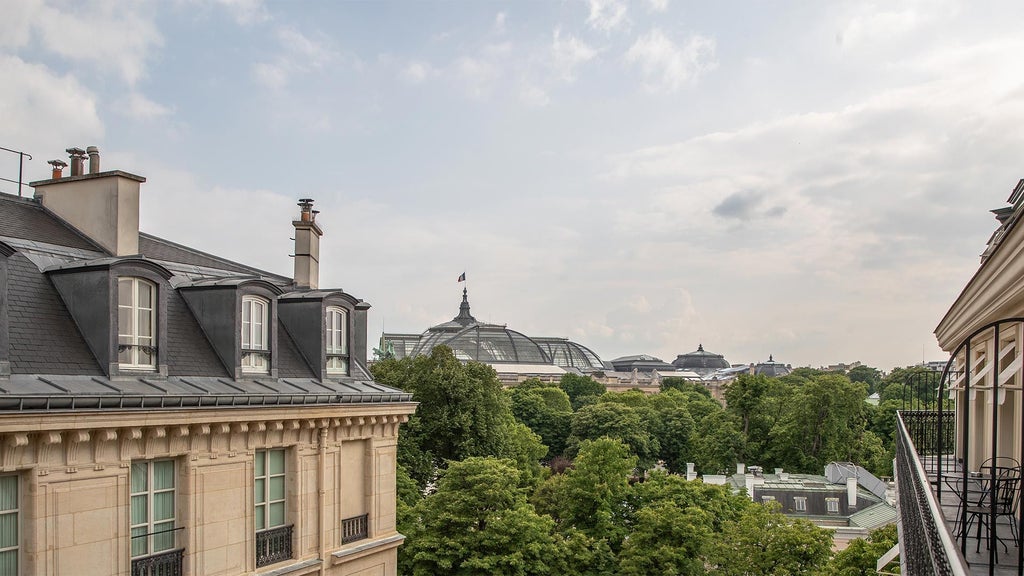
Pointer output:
547, 412
683, 385
871, 377
582, 390
861, 555
614, 420
590, 496
479, 522
463, 410
765, 543
719, 443
665, 539
673, 428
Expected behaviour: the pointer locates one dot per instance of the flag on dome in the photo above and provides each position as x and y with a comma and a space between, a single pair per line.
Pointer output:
462, 277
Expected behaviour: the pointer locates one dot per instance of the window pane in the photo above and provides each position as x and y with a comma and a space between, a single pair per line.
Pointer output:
9, 562
140, 510
277, 461
145, 323
8, 493
163, 475
164, 540
139, 541
124, 292
260, 490
124, 321
8, 531
277, 488
163, 506
261, 463
277, 514
261, 518
145, 295
140, 472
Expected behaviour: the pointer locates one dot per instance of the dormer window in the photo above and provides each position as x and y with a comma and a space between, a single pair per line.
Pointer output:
136, 324
255, 343
336, 337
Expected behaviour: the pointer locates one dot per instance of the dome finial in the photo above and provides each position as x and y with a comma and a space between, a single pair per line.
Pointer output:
700, 347
771, 358
464, 317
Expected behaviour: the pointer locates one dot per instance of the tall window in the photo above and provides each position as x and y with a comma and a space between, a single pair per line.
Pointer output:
800, 503
832, 505
255, 346
9, 524
136, 323
152, 507
337, 340
269, 488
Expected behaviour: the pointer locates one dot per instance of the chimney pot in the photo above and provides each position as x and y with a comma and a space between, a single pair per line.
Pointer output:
307, 246
94, 159
77, 160
58, 168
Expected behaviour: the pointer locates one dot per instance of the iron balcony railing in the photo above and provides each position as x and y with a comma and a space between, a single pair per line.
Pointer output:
162, 564
355, 528
274, 545
926, 546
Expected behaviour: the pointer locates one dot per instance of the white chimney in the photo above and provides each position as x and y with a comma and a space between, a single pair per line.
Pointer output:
102, 205
851, 492
307, 246
691, 472
741, 468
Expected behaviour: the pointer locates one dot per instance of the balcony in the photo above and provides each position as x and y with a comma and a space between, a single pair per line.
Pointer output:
273, 546
931, 502
163, 564
355, 528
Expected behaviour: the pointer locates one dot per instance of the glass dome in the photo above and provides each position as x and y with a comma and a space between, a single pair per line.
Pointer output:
473, 340
568, 354
700, 361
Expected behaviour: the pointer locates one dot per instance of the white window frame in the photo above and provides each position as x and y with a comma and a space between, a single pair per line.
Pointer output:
832, 505
800, 503
129, 335
767, 498
152, 538
336, 340
16, 512
255, 335
262, 498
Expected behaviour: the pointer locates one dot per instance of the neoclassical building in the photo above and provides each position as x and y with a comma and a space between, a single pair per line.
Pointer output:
165, 411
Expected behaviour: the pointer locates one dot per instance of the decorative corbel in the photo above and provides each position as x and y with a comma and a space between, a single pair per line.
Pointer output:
12, 446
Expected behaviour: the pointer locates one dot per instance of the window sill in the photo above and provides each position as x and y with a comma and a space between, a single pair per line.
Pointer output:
295, 569
363, 548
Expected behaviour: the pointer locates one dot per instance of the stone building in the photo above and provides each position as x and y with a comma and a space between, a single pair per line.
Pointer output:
164, 411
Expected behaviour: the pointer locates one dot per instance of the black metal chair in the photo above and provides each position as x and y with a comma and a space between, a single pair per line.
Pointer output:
978, 499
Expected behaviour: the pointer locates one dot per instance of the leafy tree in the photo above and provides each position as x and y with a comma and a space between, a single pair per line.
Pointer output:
719, 443
666, 539
683, 385
479, 522
764, 542
589, 496
581, 389
745, 397
861, 555
547, 412
613, 420
720, 503
463, 410
871, 377
673, 428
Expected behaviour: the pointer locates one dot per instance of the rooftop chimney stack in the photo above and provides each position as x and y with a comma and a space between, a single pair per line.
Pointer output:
307, 246
77, 160
94, 159
104, 206
58, 168
851, 492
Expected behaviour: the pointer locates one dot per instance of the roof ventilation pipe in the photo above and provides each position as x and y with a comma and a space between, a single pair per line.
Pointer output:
94, 159
77, 160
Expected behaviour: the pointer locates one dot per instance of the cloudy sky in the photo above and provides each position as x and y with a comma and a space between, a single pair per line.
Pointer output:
810, 180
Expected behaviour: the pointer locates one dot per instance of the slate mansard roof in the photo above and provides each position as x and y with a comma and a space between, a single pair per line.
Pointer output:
49, 364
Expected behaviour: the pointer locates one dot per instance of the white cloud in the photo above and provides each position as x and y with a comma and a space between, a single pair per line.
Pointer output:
417, 72
138, 106
658, 5
111, 37
568, 53
298, 55
246, 12
499, 23
478, 75
668, 67
534, 96
606, 15
46, 113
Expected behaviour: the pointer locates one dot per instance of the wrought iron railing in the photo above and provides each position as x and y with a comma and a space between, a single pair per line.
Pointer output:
274, 545
355, 528
934, 435
162, 564
926, 546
